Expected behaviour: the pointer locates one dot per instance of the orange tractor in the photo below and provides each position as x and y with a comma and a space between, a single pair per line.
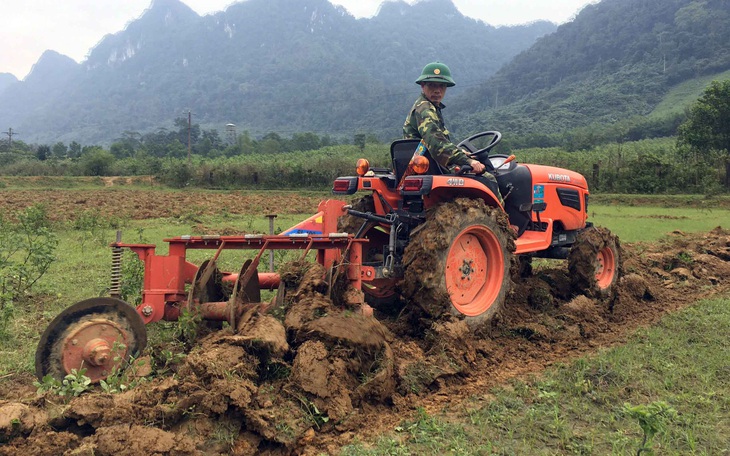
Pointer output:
442, 242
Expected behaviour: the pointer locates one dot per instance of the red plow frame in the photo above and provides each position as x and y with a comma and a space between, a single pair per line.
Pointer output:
164, 293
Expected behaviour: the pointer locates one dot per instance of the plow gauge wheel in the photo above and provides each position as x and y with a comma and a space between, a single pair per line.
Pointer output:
98, 334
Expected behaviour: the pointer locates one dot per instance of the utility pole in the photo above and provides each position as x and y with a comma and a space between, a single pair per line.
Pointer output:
10, 134
189, 126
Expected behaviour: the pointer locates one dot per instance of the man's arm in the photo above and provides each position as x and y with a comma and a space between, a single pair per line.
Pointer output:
446, 153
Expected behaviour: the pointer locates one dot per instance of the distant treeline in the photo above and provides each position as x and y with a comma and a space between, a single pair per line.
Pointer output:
307, 160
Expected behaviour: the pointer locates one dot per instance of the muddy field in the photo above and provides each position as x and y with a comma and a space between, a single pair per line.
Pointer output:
321, 374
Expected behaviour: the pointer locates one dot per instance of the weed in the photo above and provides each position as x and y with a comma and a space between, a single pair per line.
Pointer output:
27, 250
91, 225
652, 419
313, 413
73, 384
187, 328
7, 311
167, 360
225, 432
132, 278
124, 375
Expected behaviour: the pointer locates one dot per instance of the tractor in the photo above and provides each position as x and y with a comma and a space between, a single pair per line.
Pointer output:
444, 242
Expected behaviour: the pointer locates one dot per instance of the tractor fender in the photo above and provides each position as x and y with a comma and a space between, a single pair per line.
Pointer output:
450, 187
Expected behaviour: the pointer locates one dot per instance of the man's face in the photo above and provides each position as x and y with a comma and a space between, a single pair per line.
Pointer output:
434, 91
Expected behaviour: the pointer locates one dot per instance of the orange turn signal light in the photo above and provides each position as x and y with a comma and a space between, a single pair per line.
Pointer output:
363, 166
419, 164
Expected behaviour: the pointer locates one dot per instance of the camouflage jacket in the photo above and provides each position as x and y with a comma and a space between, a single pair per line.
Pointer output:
426, 122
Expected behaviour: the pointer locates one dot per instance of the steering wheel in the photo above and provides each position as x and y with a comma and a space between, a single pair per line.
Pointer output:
481, 154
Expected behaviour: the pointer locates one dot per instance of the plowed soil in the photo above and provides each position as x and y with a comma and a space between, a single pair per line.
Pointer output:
323, 374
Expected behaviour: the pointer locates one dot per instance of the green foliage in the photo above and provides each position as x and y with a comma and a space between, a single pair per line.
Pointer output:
615, 61
7, 312
132, 278
188, 327
27, 250
96, 162
124, 375
72, 385
652, 419
315, 416
707, 127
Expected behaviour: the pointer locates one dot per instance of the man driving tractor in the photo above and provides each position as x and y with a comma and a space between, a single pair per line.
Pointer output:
426, 122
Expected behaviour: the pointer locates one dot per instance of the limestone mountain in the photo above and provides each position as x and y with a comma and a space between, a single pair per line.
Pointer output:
265, 65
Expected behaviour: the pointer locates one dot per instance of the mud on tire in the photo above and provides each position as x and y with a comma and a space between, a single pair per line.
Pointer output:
458, 262
595, 263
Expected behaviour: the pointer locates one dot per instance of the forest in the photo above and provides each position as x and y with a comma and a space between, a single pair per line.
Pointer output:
692, 160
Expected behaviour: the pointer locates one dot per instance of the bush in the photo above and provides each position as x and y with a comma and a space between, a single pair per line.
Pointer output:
27, 249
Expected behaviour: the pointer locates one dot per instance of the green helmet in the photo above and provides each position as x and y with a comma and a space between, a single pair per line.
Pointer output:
436, 72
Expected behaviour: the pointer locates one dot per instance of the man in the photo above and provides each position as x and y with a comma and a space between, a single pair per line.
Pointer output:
426, 122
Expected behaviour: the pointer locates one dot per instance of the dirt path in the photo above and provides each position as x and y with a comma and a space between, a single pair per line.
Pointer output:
321, 375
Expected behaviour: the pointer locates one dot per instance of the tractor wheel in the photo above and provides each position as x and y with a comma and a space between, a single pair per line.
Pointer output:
99, 335
594, 263
458, 261
380, 293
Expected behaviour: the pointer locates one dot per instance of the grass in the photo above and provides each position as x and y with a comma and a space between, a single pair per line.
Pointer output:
579, 408
642, 223
683, 95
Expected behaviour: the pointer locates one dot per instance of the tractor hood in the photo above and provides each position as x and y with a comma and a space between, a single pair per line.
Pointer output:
550, 174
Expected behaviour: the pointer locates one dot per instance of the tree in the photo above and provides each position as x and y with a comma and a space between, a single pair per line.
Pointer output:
43, 152
60, 150
74, 149
707, 128
96, 161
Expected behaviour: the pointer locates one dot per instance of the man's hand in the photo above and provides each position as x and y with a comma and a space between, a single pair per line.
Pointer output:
477, 167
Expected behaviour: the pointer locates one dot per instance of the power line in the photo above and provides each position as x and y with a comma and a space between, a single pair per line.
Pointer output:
10, 134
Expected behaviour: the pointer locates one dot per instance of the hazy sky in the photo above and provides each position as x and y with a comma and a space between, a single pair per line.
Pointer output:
74, 27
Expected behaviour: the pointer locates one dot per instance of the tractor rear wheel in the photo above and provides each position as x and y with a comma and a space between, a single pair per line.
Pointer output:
379, 293
594, 263
458, 262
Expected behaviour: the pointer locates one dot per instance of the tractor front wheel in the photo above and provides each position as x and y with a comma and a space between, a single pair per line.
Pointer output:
458, 261
594, 263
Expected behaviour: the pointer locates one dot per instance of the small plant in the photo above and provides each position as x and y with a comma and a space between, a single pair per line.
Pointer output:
187, 328
90, 226
132, 278
7, 310
27, 249
652, 419
119, 380
72, 385
166, 361
317, 417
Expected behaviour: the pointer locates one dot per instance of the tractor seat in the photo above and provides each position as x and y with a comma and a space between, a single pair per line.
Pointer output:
401, 152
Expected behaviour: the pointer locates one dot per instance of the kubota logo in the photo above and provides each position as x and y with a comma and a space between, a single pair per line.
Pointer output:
454, 182
559, 177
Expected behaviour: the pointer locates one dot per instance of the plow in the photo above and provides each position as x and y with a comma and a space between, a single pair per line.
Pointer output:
443, 245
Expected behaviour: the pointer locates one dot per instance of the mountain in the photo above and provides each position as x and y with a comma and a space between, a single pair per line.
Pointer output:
615, 60
6, 79
265, 65
35, 95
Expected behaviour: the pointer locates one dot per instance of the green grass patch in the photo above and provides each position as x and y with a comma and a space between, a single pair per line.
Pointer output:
683, 95
648, 223
581, 408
